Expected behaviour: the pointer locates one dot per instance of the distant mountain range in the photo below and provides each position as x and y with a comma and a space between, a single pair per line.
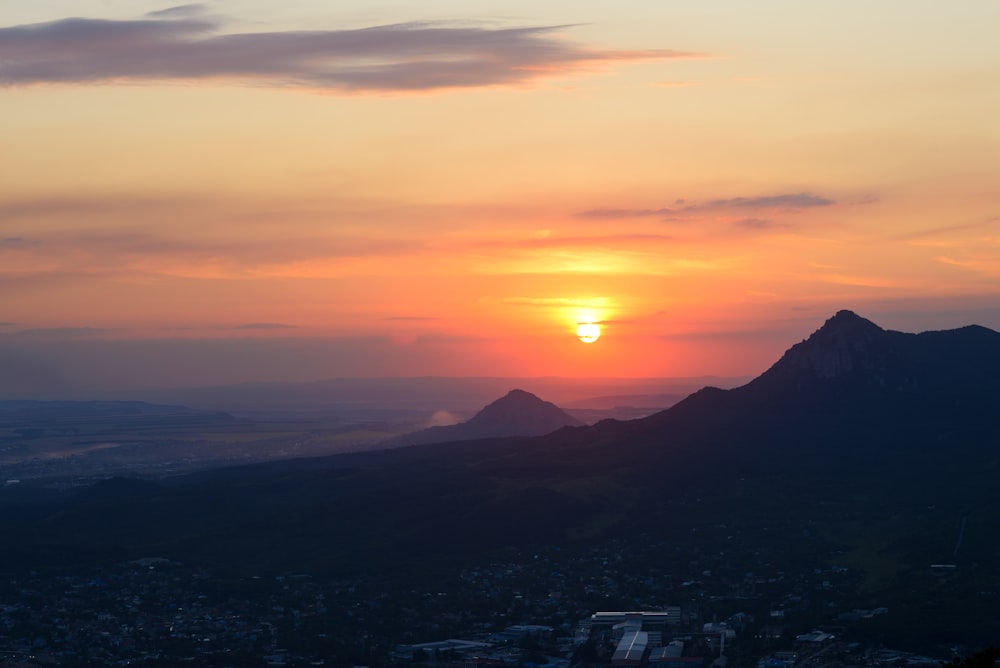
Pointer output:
518, 413
424, 395
860, 444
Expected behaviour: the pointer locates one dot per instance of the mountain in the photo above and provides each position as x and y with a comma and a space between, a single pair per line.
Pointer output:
518, 413
870, 449
852, 365
851, 353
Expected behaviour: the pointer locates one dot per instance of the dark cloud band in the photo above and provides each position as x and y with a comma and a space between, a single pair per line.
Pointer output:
186, 45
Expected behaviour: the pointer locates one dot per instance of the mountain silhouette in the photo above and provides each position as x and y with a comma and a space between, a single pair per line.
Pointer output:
854, 368
517, 413
849, 351
859, 444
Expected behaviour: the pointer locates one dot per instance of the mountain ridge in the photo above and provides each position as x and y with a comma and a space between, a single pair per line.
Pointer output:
850, 349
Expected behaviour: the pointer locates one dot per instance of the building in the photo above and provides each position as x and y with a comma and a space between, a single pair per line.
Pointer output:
451, 647
631, 650
669, 617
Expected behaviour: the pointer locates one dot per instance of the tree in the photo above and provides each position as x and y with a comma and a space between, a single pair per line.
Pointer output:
986, 658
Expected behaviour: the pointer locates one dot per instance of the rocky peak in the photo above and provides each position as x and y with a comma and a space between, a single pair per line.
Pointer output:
847, 325
846, 343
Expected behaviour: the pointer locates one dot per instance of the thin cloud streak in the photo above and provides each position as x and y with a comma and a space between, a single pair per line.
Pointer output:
785, 201
128, 252
263, 326
194, 9
69, 207
758, 223
987, 266
612, 214
183, 45
58, 332
609, 240
548, 302
942, 230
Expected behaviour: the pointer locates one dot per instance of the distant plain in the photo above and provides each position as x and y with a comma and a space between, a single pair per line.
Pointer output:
168, 432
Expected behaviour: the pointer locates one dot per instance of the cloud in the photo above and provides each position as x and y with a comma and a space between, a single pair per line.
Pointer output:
741, 334
757, 223
988, 266
195, 9
13, 210
59, 332
185, 44
786, 201
944, 230
435, 338
263, 325
858, 280
546, 302
608, 240
411, 318
612, 214
109, 252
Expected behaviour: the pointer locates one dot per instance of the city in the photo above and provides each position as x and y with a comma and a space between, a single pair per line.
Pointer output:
529, 609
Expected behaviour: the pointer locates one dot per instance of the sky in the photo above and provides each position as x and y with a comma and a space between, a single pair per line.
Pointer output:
241, 190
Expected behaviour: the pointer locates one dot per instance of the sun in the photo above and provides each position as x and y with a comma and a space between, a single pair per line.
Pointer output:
588, 331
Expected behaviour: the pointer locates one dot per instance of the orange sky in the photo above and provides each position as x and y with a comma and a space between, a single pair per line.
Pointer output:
242, 191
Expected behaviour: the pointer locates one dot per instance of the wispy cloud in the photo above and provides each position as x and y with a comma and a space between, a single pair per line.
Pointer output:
592, 302
184, 43
600, 241
861, 281
440, 337
785, 201
54, 206
193, 9
781, 202
611, 214
59, 332
916, 235
110, 252
264, 326
757, 223
988, 265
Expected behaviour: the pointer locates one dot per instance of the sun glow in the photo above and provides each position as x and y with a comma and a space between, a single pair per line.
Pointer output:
588, 331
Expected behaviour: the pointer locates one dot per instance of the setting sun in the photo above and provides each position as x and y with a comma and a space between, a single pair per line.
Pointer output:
588, 332
183, 257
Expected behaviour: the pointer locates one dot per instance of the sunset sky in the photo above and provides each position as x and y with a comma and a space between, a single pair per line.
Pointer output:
251, 190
